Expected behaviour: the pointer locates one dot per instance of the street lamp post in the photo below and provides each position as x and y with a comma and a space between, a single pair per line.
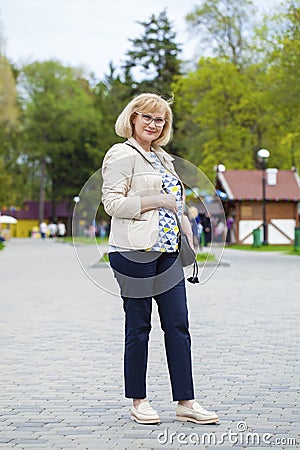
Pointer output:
263, 154
220, 168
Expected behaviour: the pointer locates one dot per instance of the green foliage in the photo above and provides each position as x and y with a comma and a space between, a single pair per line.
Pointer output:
8, 104
111, 96
154, 56
8, 125
284, 75
227, 110
61, 126
219, 102
224, 26
6, 183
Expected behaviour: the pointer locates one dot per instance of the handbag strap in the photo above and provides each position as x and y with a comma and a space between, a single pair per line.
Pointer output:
146, 159
194, 278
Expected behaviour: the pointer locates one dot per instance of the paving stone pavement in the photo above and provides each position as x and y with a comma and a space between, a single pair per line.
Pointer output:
61, 356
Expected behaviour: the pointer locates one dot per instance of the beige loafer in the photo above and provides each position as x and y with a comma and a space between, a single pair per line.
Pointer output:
144, 414
196, 414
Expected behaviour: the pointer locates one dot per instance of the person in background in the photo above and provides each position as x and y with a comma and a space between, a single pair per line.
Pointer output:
61, 227
102, 227
220, 230
52, 227
229, 225
142, 192
43, 229
206, 224
192, 215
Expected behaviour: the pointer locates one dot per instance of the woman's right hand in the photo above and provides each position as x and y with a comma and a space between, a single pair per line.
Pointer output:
168, 201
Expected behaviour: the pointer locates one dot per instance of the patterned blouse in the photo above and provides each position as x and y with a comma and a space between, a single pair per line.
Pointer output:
167, 224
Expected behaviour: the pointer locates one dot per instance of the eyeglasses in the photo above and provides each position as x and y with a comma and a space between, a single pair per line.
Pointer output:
147, 119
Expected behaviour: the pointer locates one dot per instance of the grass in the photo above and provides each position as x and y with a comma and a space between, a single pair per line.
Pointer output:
200, 257
85, 240
294, 251
206, 256
2, 245
88, 240
288, 249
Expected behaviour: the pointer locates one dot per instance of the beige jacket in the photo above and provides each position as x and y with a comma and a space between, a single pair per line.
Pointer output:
126, 178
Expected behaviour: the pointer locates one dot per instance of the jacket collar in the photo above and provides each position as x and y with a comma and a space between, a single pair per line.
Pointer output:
162, 154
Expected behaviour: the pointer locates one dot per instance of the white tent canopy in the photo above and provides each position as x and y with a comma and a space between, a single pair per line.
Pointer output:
8, 219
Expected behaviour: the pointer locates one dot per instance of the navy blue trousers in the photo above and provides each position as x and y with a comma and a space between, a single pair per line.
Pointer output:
168, 291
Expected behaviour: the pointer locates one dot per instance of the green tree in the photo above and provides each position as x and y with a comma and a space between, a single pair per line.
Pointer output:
224, 27
231, 106
6, 186
60, 128
283, 38
8, 97
8, 124
154, 57
221, 114
111, 95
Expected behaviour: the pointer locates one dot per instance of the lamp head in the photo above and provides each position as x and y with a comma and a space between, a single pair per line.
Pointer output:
221, 168
263, 153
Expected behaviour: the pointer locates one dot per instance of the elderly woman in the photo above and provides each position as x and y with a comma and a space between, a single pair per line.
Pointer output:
143, 194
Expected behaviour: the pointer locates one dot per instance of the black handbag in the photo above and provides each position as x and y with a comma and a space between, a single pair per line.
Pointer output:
187, 254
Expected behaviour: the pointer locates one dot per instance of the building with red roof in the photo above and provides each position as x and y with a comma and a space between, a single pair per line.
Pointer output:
244, 203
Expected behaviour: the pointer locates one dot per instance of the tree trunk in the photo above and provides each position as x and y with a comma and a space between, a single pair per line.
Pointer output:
42, 190
53, 201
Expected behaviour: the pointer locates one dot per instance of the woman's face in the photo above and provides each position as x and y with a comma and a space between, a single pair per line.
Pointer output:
147, 130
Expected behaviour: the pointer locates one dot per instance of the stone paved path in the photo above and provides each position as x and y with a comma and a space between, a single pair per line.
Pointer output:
61, 356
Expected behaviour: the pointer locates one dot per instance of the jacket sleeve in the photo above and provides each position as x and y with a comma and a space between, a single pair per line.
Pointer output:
117, 171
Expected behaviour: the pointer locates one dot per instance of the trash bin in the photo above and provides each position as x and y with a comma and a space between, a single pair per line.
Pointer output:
256, 238
297, 239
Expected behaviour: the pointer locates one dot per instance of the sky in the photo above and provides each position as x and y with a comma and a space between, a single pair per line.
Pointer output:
88, 33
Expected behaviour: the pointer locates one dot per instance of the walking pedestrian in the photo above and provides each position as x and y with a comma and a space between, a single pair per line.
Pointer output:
142, 192
61, 227
43, 229
206, 224
52, 227
229, 224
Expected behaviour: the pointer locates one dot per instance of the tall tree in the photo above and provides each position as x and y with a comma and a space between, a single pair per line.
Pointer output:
283, 36
6, 186
8, 103
111, 95
224, 27
8, 124
221, 114
61, 127
154, 58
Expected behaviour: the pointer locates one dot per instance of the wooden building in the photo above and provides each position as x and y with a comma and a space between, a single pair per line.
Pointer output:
244, 203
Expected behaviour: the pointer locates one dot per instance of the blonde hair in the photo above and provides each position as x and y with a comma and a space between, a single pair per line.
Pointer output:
145, 102
193, 212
